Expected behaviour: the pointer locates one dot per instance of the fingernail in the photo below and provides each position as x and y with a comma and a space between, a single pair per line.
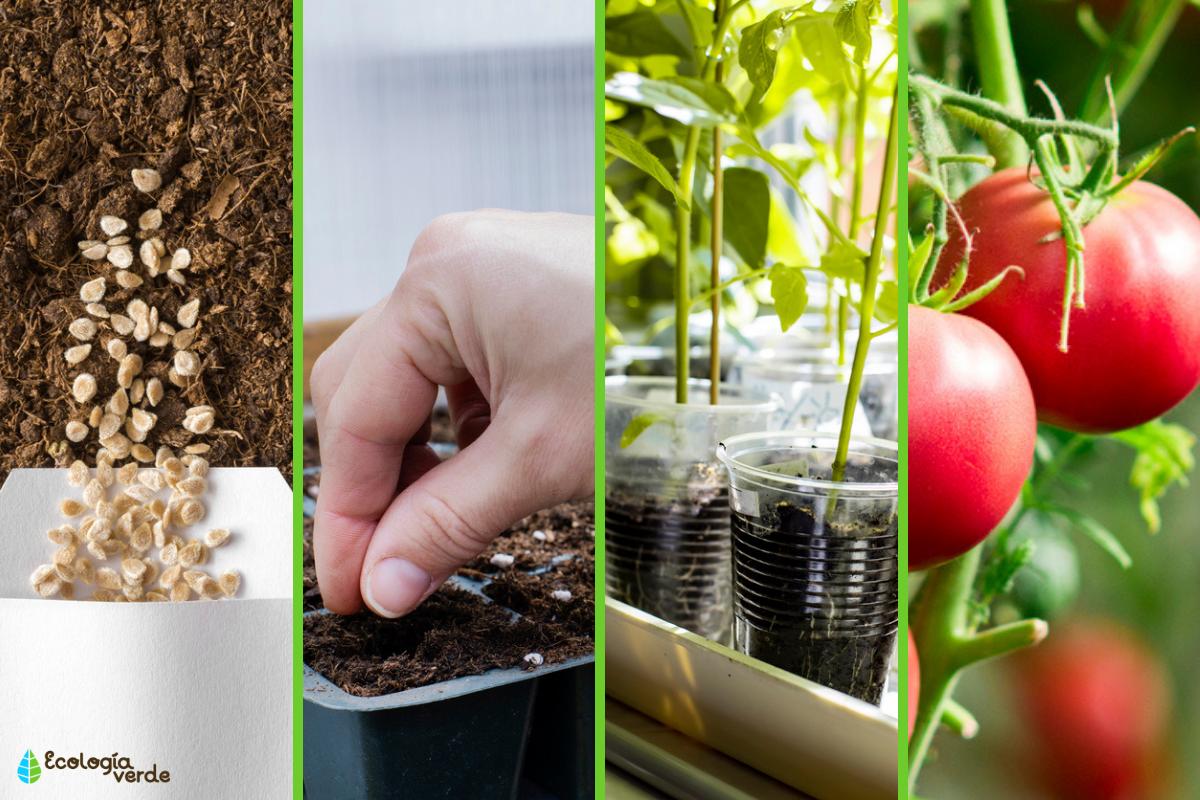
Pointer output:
395, 586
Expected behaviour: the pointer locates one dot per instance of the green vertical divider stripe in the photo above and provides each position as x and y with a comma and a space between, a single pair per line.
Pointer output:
902, 376
599, 394
298, 398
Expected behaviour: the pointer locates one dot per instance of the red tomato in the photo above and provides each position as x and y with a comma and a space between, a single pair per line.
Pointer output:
1096, 701
914, 683
971, 432
1134, 351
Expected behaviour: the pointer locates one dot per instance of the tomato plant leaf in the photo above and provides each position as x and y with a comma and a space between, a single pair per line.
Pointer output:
853, 23
699, 21
759, 50
789, 290
747, 210
638, 425
639, 34
821, 45
846, 261
887, 304
619, 142
687, 100
1163, 457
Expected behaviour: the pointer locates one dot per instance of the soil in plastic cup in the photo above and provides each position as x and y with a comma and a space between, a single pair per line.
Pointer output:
667, 499
814, 559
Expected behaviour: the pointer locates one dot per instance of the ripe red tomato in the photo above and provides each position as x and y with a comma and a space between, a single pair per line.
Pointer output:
914, 683
1134, 351
1096, 702
971, 432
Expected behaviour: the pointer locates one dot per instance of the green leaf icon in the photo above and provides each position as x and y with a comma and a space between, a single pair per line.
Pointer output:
28, 771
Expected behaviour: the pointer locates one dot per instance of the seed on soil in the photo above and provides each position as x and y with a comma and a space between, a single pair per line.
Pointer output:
200, 422
199, 448
127, 280
188, 313
137, 391
86, 244
146, 180
148, 255
121, 256
154, 391
150, 220
97, 310
92, 291
143, 421
95, 251
117, 348
141, 453
83, 388
118, 404
181, 259
502, 560
131, 365
95, 415
110, 425
82, 329
176, 277
78, 353
562, 595
183, 340
534, 659
122, 324
112, 225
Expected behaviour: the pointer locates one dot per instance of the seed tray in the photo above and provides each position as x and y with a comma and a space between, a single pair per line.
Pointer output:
525, 727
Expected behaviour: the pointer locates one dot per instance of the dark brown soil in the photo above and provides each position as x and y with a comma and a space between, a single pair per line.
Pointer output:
203, 93
453, 634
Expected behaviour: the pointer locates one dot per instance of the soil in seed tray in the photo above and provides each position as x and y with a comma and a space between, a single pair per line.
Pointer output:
202, 92
540, 538
453, 634
836, 641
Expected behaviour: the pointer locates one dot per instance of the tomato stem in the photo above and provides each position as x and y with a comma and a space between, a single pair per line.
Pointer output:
998, 72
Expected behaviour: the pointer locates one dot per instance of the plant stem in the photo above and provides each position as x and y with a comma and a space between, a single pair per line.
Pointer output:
870, 285
1128, 59
998, 72
717, 234
683, 257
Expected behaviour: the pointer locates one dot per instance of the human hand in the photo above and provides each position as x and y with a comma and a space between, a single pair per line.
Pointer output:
497, 307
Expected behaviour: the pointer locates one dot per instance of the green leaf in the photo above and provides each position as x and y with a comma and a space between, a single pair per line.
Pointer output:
641, 33
1164, 457
638, 425
699, 21
618, 142
747, 209
782, 243
821, 45
887, 304
845, 261
853, 23
759, 50
1099, 534
789, 291
687, 100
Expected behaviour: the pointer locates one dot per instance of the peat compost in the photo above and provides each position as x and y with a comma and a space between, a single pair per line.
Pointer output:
202, 92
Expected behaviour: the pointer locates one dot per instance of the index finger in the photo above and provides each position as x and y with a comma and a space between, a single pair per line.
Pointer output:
381, 403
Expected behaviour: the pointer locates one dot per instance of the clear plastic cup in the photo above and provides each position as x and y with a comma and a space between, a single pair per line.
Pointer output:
815, 561
812, 387
667, 532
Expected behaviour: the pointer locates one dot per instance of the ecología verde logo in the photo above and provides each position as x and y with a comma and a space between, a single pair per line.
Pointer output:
28, 771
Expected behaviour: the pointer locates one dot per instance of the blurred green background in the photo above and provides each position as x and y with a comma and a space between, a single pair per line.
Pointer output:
1159, 597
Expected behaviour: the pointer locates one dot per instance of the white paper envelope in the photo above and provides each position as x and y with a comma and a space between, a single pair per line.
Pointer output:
200, 690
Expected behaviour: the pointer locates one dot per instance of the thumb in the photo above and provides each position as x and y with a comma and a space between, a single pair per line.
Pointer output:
446, 518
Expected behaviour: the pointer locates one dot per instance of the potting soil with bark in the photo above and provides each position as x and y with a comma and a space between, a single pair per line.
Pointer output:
202, 92
816, 598
456, 633
670, 556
